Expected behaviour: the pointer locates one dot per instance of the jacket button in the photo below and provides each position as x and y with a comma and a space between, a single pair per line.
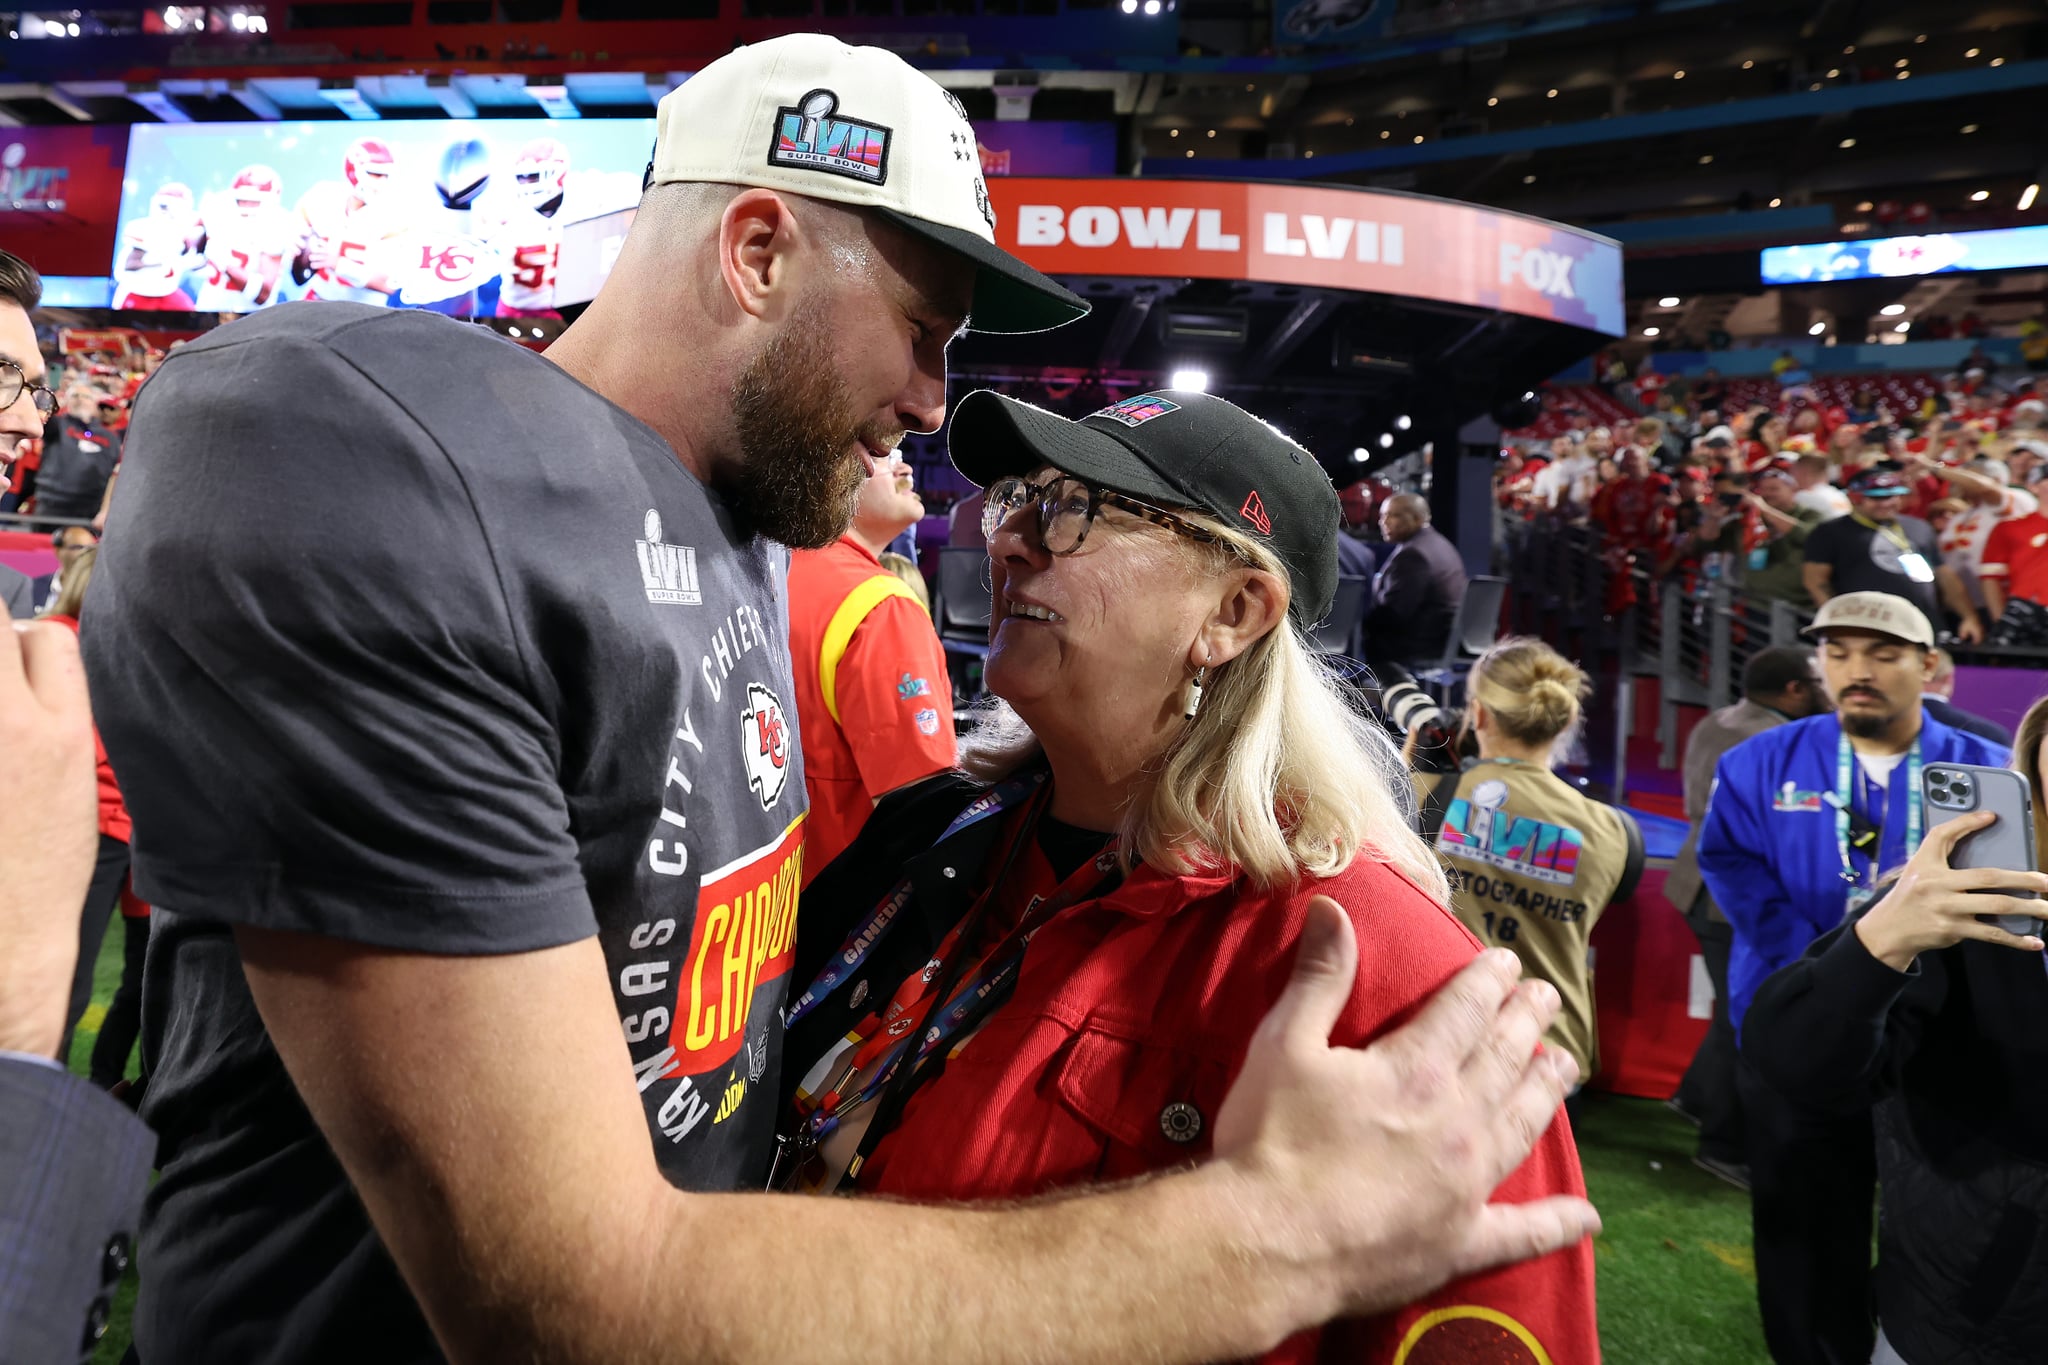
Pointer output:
114, 1264
96, 1321
1180, 1121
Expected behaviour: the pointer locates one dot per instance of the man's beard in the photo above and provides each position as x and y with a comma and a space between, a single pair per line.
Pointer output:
1867, 724
795, 482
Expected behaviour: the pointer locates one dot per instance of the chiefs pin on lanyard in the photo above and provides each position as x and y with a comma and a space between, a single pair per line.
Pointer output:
1843, 800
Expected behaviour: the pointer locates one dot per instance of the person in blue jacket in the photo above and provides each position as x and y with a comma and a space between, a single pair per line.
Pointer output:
1803, 822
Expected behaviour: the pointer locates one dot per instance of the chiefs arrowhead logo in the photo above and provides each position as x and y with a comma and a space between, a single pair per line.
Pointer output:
764, 744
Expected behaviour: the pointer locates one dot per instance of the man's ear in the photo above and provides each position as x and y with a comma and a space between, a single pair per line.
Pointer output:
756, 236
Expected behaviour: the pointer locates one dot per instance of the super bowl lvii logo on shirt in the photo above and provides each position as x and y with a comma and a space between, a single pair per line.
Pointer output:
669, 572
813, 137
1482, 831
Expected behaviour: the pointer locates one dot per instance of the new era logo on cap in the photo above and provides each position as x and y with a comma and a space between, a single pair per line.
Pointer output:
1135, 412
1254, 511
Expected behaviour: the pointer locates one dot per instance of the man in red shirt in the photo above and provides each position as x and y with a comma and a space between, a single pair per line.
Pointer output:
2014, 576
874, 706
1629, 509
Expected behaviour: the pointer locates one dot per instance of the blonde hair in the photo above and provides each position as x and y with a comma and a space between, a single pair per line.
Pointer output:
1531, 691
71, 586
1277, 776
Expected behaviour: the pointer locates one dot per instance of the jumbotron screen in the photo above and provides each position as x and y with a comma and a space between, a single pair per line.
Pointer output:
1893, 257
479, 218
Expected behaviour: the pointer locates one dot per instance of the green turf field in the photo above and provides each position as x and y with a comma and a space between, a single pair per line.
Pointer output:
1676, 1283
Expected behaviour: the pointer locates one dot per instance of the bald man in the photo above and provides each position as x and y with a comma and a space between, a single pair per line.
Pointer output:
1416, 594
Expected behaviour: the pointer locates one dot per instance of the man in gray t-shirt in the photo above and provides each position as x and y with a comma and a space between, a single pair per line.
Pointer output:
447, 686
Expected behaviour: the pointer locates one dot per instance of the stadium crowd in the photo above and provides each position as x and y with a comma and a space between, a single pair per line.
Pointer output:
1928, 489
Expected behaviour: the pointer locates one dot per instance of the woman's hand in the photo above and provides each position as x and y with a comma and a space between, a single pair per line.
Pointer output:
1936, 906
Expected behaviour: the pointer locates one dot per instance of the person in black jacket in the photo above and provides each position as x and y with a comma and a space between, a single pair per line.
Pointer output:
1416, 595
1937, 701
1937, 1019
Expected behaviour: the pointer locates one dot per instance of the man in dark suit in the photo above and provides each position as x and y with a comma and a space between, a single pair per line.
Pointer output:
73, 1162
17, 594
1416, 594
1935, 701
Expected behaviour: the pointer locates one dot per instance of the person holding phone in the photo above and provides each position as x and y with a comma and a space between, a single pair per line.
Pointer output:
1803, 824
1924, 1012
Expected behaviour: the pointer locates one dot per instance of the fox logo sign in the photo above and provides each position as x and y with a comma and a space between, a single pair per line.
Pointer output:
764, 744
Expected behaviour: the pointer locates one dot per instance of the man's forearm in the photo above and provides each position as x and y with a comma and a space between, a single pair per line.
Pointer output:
1994, 598
1954, 593
1158, 1271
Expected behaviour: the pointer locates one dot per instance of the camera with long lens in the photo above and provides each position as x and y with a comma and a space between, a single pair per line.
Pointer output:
1408, 711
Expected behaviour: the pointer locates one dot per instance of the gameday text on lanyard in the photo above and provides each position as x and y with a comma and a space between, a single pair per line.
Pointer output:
1843, 802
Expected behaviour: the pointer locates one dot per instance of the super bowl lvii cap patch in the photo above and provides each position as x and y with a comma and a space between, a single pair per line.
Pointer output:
815, 136
1135, 412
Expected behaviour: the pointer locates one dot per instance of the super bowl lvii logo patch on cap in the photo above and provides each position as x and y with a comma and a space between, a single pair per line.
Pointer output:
814, 136
1135, 412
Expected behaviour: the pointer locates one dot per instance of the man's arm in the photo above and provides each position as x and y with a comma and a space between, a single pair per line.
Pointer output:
1818, 579
1736, 865
1346, 1181
1957, 598
1399, 592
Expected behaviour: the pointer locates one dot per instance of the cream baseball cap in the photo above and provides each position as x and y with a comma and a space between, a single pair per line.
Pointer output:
1878, 612
809, 115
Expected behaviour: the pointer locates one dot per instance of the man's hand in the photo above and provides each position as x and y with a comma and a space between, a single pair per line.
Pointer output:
1379, 1161
48, 833
1971, 631
1936, 906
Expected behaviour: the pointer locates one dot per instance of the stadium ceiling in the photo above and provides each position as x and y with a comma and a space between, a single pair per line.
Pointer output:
618, 94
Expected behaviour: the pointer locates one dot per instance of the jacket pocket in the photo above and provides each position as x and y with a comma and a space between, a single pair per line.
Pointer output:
1150, 1102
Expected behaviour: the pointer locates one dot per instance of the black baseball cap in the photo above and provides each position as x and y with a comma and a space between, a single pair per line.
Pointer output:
1176, 449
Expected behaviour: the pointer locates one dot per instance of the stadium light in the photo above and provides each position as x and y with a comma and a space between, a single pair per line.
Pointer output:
1892, 310
1130, 6
1195, 381
1980, 196
171, 19
238, 21
1151, 6
1359, 456
1386, 440
1776, 202
1403, 422
1816, 329
71, 29
1668, 301
2027, 197
1846, 143
1905, 326
1651, 331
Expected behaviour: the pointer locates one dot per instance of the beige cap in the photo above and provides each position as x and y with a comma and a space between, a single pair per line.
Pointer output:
809, 115
1880, 612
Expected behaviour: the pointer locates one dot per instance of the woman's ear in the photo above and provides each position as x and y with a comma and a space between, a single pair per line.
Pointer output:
1253, 603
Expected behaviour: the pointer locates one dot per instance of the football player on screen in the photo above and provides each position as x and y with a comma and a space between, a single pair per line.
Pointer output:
528, 231
346, 225
158, 251
248, 238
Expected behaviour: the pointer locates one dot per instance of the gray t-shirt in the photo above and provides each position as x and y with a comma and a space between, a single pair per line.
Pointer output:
404, 636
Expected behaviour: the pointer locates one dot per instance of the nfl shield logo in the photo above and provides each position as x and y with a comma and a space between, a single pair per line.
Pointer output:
764, 744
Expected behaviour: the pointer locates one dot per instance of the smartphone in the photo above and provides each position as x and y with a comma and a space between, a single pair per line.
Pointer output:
1953, 789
